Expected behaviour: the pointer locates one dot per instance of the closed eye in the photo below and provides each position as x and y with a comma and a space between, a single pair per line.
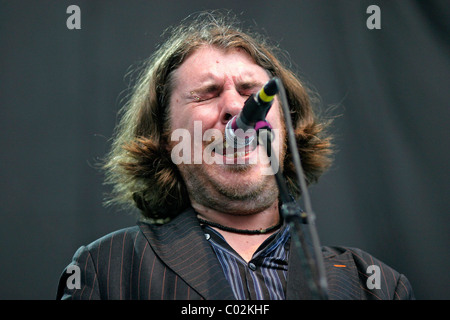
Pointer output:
249, 88
203, 98
246, 93
205, 93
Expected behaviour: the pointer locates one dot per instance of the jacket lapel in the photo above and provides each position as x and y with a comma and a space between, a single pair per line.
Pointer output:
342, 275
341, 272
182, 246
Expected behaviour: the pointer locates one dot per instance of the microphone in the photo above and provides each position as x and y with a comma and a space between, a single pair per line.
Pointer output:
255, 109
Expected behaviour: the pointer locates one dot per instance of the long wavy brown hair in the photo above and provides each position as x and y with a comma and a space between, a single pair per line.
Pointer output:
139, 166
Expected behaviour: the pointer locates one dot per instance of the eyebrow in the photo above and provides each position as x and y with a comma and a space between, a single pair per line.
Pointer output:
250, 84
207, 88
214, 87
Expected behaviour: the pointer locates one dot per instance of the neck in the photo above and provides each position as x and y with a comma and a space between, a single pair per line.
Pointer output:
244, 244
255, 221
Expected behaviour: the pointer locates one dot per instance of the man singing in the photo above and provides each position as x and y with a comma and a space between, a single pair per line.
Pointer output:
210, 225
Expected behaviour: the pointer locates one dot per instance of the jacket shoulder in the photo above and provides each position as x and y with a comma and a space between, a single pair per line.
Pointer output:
125, 235
101, 263
369, 277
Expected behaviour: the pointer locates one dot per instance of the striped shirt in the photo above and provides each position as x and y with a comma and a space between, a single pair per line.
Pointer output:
264, 277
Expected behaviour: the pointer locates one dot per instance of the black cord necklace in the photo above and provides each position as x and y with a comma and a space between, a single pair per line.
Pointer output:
240, 231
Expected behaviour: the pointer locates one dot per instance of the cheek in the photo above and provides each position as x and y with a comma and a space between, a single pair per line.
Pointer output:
208, 116
276, 120
187, 118
179, 118
188, 126
178, 121
275, 117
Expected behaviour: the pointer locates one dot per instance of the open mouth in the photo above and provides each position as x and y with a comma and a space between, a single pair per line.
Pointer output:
230, 151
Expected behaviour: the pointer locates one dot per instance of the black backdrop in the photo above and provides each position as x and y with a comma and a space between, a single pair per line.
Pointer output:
60, 91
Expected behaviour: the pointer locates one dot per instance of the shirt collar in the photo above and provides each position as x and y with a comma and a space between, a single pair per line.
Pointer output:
268, 247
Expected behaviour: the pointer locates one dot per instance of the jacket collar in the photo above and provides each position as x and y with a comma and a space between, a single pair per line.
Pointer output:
182, 246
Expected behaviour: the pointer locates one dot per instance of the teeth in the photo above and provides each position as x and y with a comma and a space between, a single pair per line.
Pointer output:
230, 152
237, 154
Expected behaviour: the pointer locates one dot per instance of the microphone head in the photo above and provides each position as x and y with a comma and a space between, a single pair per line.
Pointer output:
234, 136
240, 130
271, 87
267, 93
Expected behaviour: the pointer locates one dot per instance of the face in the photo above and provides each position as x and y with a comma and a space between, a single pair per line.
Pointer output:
209, 88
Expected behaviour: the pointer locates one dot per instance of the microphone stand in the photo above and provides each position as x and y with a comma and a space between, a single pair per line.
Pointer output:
312, 264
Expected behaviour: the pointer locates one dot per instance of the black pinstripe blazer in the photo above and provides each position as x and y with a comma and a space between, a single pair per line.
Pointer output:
174, 261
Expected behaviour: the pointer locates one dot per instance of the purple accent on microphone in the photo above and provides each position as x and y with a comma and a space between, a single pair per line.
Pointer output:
233, 124
262, 124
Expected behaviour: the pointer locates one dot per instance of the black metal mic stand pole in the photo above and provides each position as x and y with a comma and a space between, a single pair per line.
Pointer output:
312, 264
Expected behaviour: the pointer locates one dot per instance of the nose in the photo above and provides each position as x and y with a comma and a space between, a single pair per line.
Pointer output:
231, 104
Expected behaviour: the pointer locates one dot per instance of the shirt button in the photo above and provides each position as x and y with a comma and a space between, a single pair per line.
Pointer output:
252, 266
207, 236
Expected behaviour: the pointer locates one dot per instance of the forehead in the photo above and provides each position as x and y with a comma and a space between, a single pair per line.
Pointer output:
212, 63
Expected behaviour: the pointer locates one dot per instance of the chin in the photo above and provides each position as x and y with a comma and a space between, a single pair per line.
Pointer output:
243, 175
235, 188
241, 181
